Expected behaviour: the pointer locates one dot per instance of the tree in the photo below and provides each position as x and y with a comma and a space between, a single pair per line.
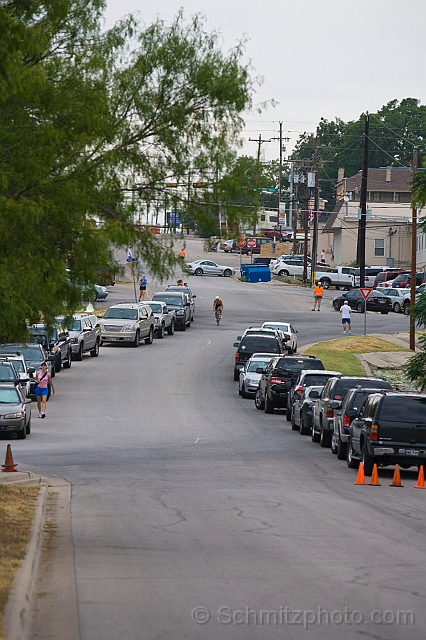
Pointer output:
91, 124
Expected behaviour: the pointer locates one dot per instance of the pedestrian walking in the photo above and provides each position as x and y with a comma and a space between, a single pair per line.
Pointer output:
43, 380
182, 254
318, 293
142, 287
323, 256
345, 312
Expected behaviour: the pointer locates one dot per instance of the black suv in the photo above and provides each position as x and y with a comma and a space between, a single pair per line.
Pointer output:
254, 344
56, 341
279, 377
179, 302
391, 429
331, 399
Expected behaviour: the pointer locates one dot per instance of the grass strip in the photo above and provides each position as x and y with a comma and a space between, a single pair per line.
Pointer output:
17, 508
339, 355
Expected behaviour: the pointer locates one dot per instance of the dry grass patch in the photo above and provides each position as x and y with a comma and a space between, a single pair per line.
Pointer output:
339, 355
17, 507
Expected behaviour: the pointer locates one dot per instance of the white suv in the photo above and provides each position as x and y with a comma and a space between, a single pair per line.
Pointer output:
127, 322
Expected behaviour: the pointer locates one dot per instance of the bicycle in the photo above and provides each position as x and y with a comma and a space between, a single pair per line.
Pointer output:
218, 315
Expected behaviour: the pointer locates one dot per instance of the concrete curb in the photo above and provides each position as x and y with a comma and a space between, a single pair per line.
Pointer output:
17, 615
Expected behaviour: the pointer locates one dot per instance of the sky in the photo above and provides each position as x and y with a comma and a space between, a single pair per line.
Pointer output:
318, 58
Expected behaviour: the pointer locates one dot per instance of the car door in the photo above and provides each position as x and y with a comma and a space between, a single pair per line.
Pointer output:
89, 334
62, 343
143, 321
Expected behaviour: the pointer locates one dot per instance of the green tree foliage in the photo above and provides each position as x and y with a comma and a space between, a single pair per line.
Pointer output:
394, 131
91, 124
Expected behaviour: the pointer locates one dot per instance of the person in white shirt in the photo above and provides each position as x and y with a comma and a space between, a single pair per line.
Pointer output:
345, 312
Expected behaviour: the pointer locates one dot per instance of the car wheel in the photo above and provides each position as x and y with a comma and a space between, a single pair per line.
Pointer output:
325, 283
171, 328
350, 460
160, 332
95, 351
295, 348
337, 287
384, 313
67, 363
135, 342
315, 436
227, 273
303, 428
360, 307
183, 327
58, 363
52, 370
368, 462
259, 403
268, 404
397, 307
290, 351
336, 305
341, 449
288, 412
333, 443
244, 394
28, 428
150, 337
324, 438
406, 309
198, 272
22, 434
79, 354
293, 422
283, 272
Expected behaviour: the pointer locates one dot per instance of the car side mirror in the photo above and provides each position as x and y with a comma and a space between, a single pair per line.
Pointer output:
236, 344
87, 329
260, 370
100, 315
351, 413
194, 296
51, 357
335, 405
239, 337
30, 370
314, 394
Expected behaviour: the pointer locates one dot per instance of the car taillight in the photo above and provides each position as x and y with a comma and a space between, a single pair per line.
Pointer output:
374, 432
299, 390
237, 356
286, 336
276, 380
346, 421
329, 412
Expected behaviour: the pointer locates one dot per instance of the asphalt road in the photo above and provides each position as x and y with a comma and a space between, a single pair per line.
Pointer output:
195, 516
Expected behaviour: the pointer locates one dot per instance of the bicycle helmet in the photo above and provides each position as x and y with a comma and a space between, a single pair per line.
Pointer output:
217, 298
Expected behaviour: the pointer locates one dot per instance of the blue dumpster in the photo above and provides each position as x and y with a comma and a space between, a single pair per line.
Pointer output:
257, 273
243, 268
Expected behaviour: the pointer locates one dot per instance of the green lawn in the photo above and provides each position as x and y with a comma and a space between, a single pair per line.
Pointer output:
339, 355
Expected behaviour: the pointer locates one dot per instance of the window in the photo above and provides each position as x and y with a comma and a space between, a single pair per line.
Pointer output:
396, 196
379, 246
376, 196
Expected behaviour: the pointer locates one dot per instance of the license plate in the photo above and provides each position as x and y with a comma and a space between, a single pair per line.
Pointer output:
113, 339
412, 452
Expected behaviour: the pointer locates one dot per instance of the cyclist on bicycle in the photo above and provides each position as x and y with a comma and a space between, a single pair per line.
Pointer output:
217, 306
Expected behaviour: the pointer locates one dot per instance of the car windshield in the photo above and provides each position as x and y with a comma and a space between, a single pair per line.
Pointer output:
279, 325
315, 378
156, 307
343, 386
9, 396
255, 364
178, 288
6, 372
31, 352
175, 301
118, 313
41, 339
75, 325
259, 343
19, 366
293, 365
403, 410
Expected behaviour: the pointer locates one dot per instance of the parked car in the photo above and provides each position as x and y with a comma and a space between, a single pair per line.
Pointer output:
289, 267
398, 298
15, 411
331, 399
390, 429
251, 372
21, 368
179, 303
303, 409
209, 268
55, 340
34, 355
279, 377
383, 278
85, 335
127, 322
187, 290
306, 378
249, 345
344, 416
246, 250
164, 319
369, 276
289, 334
404, 280
226, 245
376, 301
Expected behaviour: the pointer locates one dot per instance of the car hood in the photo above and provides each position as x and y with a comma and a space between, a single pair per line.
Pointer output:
10, 408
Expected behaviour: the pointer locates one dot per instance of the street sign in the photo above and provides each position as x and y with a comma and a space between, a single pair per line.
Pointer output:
251, 242
241, 243
365, 291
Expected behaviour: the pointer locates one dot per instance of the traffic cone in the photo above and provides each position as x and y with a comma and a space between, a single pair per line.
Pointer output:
374, 480
396, 480
9, 465
360, 479
421, 479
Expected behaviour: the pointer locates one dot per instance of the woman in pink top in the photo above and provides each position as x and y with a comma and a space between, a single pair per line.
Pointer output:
43, 379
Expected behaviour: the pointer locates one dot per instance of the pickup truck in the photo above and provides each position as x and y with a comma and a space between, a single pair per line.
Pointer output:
339, 277
390, 428
163, 318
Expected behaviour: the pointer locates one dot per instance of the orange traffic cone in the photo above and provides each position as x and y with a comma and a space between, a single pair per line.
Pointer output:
421, 479
360, 479
396, 480
9, 465
374, 481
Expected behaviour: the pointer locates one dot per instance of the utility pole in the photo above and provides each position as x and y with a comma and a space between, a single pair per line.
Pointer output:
316, 208
256, 206
363, 205
280, 179
413, 260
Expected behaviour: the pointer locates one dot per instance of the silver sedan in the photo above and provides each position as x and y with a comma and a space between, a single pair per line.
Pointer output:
209, 268
249, 376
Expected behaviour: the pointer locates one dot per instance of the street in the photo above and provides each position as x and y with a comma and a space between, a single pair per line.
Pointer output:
196, 516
